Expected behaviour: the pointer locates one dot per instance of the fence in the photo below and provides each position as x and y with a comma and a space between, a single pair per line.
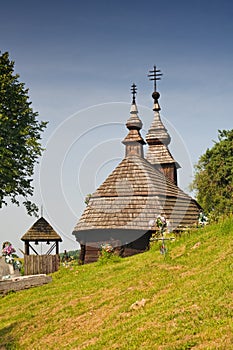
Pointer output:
37, 264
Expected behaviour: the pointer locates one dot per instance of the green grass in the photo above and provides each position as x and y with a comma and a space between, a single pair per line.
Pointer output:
189, 301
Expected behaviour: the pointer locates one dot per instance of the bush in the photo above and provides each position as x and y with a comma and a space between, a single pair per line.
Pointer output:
108, 255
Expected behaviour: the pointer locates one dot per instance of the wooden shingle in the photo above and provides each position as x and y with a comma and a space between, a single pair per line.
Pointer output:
41, 230
133, 195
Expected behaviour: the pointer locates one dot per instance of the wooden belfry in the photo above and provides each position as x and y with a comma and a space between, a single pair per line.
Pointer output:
41, 231
47, 263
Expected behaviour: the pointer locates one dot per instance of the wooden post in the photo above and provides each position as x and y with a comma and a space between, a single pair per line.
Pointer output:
82, 253
57, 247
26, 247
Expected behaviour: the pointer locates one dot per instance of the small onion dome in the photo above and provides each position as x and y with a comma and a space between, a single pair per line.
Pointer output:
134, 122
157, 132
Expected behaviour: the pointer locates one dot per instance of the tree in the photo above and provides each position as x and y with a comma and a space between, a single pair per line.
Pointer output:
20, 135
213, 180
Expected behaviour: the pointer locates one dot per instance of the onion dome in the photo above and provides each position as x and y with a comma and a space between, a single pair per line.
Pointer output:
158, 138
134, 141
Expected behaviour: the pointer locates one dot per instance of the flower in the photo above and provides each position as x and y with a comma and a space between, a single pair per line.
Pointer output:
17, 264
202, 220
108, 248
9, 259
161, 222
7, 249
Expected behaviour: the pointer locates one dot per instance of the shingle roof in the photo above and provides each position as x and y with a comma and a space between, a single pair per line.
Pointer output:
132, 196
160, 154
157, 131
158, 140
41, 230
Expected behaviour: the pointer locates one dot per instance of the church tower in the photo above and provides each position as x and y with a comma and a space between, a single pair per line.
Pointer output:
158, 138
133, 141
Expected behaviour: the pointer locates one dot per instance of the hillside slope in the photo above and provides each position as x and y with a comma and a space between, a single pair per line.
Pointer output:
185, 301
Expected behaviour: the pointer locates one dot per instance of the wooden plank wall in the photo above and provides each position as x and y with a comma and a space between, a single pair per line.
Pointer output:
91, 254
37, 264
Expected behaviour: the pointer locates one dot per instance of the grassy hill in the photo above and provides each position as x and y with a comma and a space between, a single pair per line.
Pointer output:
185, 301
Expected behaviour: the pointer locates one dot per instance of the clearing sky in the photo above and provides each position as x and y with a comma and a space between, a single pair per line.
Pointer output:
79, 59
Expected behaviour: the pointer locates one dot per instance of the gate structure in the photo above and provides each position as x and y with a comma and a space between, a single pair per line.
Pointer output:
36, 263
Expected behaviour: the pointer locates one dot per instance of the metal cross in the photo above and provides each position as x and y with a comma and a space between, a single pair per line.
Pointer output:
163, 248
133, 91
155, 75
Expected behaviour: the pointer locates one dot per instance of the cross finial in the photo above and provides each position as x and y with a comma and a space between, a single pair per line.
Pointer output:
133, 91
155, 75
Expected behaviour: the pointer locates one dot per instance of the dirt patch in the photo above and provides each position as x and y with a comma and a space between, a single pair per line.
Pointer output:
178, 252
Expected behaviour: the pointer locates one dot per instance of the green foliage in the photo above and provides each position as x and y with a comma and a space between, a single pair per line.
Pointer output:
213, 181
70, 255
19, 138
188, 298
108, 257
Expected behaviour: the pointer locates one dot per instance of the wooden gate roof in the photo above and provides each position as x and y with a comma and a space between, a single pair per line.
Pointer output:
41, 230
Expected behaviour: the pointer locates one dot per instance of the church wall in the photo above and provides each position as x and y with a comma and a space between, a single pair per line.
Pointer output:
90, 251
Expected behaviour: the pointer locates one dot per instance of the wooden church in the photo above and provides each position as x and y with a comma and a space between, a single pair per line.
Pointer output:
123, 210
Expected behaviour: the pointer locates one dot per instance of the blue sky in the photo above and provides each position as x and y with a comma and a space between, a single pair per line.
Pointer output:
74, 55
